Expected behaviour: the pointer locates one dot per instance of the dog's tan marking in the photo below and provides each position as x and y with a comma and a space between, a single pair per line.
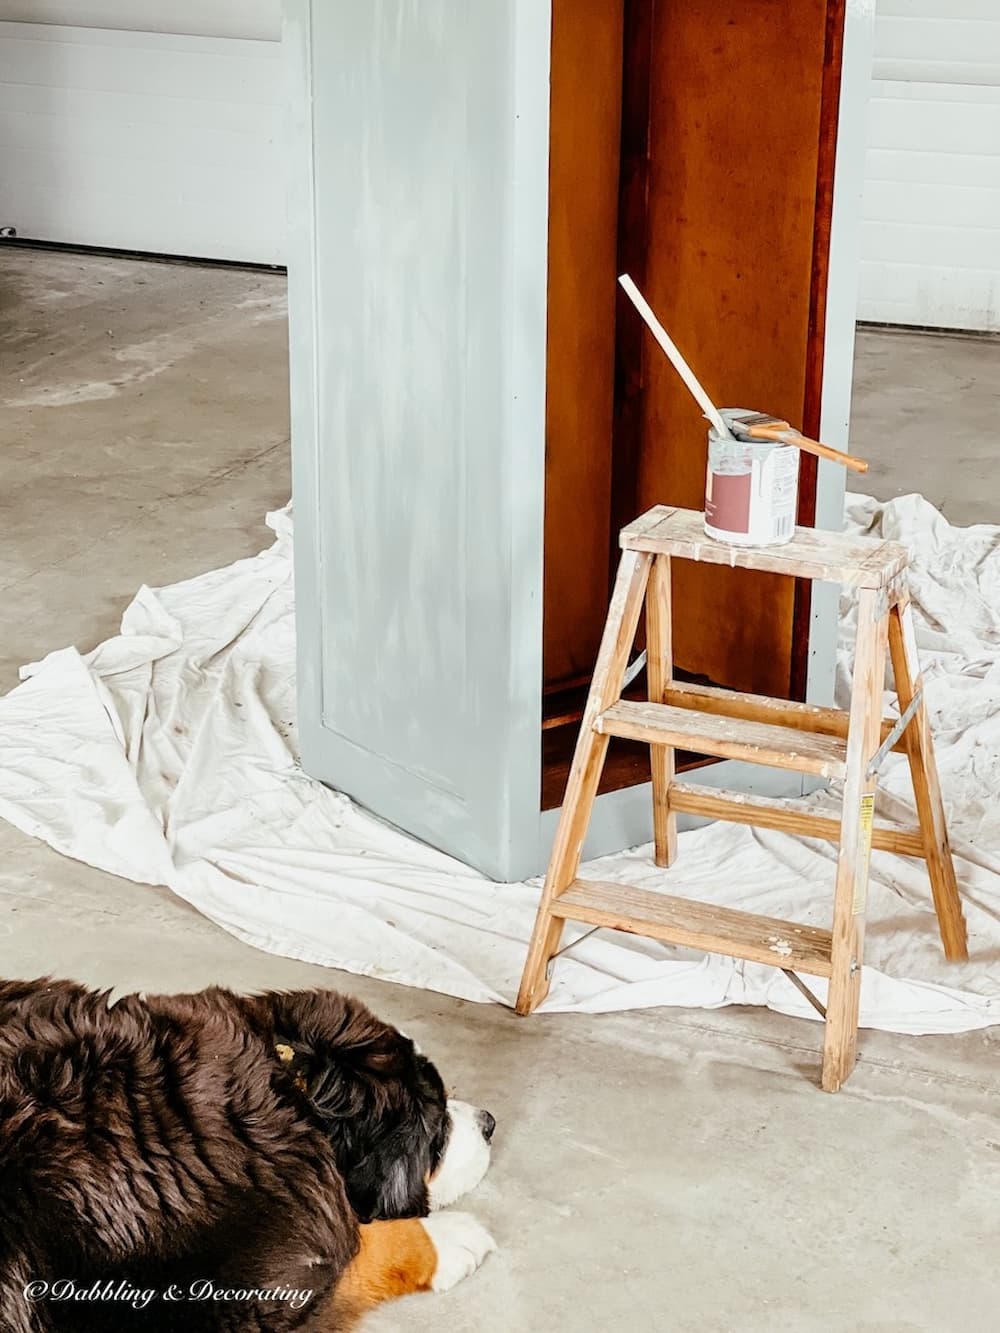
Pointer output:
286, 1055
395, 1259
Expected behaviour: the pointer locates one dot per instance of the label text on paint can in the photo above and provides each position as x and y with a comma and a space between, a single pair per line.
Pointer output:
774, 493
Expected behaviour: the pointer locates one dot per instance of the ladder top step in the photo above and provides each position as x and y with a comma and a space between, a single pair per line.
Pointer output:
726, 737
837, 557
723, 930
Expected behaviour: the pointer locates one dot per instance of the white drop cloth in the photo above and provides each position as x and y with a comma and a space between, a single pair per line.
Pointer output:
168, 756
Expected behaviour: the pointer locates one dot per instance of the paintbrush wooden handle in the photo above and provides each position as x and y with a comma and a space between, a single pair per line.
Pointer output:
787, 436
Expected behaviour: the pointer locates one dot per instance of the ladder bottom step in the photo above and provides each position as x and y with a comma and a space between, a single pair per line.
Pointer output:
722, 930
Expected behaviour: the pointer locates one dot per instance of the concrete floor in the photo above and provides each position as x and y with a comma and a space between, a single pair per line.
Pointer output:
926, 415
655, 1172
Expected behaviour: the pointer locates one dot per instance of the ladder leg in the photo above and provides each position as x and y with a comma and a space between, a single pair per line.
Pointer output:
659, 674
841, 1036
585, 773
926, 787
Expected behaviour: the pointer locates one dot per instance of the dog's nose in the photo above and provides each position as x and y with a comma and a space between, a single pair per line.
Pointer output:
487, 1124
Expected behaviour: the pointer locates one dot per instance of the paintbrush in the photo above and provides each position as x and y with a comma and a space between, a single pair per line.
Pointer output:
760, 426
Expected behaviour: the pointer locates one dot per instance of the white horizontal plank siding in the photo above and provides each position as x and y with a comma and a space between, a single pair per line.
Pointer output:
931, 232
160, 141
196, 18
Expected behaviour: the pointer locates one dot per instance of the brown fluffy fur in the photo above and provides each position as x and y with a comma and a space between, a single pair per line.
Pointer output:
162, 1140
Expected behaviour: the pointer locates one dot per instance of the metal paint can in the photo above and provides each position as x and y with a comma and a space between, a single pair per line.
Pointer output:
751, 490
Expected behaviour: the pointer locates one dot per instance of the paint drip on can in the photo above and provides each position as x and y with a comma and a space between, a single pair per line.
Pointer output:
751, 489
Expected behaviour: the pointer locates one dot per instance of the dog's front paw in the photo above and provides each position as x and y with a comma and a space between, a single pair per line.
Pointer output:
461, 1243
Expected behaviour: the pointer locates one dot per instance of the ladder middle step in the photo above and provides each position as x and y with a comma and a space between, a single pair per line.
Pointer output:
726, 737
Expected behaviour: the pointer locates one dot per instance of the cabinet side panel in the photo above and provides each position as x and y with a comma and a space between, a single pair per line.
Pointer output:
417, 279
583, 227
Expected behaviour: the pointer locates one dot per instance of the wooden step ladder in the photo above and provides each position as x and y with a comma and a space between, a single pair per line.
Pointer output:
825, 742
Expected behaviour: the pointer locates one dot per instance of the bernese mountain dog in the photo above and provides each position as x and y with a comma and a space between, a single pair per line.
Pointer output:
219, 1163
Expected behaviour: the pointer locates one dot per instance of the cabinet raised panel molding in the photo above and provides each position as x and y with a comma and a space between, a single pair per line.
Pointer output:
475, 412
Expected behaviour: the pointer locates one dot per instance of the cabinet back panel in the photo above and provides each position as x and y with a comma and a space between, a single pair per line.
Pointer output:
736, 98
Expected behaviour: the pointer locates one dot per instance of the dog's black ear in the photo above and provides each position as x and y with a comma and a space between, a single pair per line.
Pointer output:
389, 1182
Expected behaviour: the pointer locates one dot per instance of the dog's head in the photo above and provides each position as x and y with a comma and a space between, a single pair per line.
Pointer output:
401, 1144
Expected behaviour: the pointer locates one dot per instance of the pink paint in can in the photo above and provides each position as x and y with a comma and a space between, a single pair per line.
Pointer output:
751, 489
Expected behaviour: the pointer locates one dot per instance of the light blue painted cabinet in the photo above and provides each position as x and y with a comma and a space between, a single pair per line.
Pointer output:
418, 280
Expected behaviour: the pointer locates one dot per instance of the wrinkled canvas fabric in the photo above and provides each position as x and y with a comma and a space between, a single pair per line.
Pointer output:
168, 756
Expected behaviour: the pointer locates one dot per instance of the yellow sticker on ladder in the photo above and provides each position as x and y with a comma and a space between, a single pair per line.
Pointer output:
866, 819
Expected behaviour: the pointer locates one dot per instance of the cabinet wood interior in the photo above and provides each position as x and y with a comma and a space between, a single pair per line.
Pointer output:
692, 145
